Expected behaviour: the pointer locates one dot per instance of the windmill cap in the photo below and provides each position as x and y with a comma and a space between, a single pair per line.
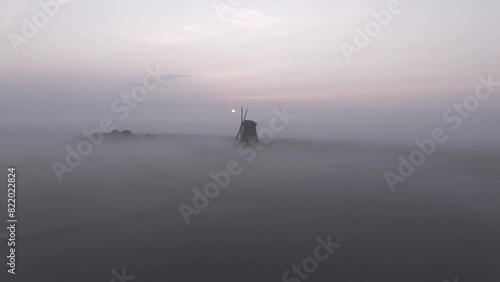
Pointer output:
249, 123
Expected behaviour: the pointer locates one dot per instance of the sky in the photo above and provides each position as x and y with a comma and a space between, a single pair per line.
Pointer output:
257, 54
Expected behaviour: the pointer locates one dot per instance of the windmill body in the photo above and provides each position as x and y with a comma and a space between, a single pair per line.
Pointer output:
248, 129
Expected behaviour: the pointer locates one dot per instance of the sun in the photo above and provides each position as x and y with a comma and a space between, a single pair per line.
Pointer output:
233, 111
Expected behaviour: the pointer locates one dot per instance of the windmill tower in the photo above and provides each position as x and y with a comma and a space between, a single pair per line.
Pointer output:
248, 129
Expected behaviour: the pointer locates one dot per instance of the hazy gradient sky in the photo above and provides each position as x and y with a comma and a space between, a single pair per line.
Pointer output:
263, 54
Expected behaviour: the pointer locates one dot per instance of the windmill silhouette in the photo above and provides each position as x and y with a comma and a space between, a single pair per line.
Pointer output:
248, 129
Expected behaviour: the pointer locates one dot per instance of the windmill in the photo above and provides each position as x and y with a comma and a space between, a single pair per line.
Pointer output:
248, 129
